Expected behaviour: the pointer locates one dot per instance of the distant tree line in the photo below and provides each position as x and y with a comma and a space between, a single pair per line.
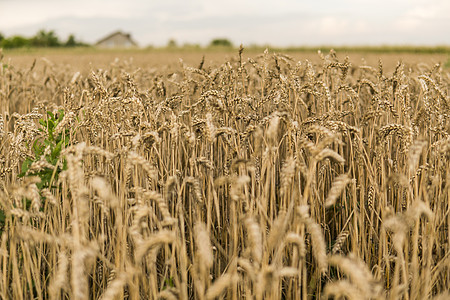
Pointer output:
221, 42
48, 39
41, 39
214, 43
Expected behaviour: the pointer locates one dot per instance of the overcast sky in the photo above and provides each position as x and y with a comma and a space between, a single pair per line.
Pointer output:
274, 22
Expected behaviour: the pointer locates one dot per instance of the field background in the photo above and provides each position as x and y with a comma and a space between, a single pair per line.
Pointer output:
132, 174
83, 59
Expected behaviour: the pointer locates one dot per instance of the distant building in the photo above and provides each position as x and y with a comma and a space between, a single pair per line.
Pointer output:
117, 39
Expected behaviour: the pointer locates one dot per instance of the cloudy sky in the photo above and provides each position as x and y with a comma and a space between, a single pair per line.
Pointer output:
274, 22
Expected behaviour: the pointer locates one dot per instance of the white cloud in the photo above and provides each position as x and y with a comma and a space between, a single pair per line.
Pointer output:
282, 22
333, 26
25, 12
421, 14
407, 24
361, 27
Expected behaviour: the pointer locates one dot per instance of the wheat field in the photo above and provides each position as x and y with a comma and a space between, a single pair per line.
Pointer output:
263, 177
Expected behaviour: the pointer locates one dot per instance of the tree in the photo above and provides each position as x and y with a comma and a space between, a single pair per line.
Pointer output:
45, 39
221, 42
16, 41
41, 39
71, 42
172, 43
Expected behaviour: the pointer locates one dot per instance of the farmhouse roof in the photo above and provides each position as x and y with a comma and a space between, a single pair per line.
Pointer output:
115, 34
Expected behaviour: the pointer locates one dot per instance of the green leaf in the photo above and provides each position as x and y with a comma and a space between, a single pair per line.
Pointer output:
46, 176
168, 282
38, 148
51, 115
27, 203
2, 218
61, 115
57, 150
47, 143
51, 125
58, 138
64, 164
25, 166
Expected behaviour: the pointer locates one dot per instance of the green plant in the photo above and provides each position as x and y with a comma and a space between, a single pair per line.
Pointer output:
168, 283
447, 64
48, 150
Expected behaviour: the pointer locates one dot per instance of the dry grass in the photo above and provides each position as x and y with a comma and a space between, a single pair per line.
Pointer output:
264, 178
